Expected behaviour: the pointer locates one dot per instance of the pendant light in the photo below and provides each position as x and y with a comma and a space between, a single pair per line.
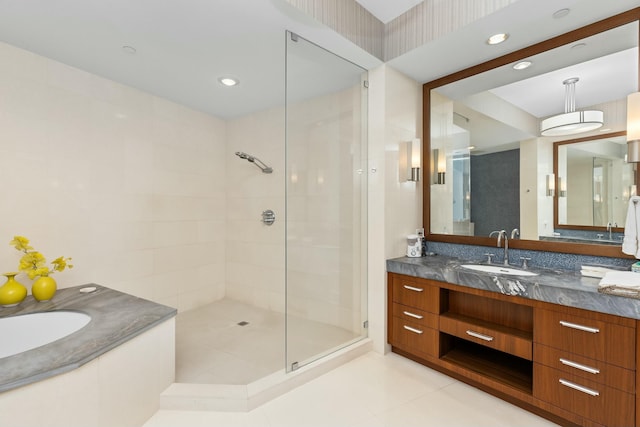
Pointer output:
572, 121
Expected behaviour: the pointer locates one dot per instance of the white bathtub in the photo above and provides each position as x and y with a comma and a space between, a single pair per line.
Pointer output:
29, 331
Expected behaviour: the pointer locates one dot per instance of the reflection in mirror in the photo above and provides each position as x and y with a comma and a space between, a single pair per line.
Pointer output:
490, 164
594, 184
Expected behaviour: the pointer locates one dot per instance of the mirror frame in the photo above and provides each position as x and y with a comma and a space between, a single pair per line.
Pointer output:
627, 17
556, 146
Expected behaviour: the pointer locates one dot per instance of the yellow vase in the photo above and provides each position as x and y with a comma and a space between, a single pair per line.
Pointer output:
12, 292
44, 288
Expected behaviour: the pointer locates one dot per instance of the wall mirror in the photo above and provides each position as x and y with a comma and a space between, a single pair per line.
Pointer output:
491, 169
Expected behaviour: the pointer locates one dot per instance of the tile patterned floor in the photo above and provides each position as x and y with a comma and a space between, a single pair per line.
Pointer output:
373, 391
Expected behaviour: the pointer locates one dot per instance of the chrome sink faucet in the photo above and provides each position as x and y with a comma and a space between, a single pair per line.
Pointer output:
502, 234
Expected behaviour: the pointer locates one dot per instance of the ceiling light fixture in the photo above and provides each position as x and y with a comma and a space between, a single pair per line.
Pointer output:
522, 65
228, 81
129, 49
561, 13
572, 121
497, 38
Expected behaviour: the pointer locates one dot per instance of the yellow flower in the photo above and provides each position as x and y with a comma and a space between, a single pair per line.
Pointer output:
34, 263
60, 263
20, 243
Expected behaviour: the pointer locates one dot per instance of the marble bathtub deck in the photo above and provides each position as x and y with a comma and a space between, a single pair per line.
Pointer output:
115, 318
568, 288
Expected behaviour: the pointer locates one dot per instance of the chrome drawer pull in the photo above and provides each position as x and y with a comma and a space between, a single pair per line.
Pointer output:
415, 316
580, 366
579, 327
411, 288
579, 387
414, 330
480, 336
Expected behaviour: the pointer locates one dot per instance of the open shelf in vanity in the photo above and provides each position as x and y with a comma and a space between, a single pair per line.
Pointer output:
491, 337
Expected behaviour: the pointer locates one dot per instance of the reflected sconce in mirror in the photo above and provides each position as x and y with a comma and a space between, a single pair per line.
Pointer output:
439, 167
551, 185
562, 187
409, 159
633, 128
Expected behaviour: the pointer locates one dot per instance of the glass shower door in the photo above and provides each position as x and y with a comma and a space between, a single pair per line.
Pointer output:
326, 121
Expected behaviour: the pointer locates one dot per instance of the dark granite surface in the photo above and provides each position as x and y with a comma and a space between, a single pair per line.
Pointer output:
562, 287
116, 317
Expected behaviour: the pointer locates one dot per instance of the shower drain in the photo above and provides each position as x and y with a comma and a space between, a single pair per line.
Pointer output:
243, 323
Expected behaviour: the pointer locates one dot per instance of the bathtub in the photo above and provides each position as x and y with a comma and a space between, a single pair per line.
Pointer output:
29, 331
89, 356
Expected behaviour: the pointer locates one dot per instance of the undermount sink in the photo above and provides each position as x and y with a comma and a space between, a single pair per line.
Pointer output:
498, 269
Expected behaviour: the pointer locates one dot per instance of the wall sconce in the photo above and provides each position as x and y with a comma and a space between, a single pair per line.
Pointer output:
562, 184
551, 185
409, 161
439, 166
633, 127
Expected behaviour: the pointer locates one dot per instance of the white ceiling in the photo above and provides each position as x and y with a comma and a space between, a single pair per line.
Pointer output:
183, 47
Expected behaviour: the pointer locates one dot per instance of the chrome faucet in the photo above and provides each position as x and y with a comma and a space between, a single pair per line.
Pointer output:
515, 233
502, 234
610, 230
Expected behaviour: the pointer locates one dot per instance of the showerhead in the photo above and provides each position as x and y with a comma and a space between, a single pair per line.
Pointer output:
264, 168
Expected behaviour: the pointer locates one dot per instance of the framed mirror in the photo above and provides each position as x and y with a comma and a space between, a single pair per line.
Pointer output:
593, 185
488, 167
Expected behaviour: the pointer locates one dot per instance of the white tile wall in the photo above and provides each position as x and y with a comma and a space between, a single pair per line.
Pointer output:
128, 184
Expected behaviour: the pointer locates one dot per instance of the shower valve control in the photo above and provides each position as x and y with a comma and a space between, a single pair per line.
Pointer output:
268, 217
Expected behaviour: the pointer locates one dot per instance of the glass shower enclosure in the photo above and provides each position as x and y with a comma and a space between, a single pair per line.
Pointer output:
325, 202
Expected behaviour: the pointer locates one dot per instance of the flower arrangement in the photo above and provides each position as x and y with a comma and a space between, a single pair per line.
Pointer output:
34, 263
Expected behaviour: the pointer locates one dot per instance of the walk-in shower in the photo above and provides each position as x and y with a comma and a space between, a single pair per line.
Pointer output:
256, 161
295, 289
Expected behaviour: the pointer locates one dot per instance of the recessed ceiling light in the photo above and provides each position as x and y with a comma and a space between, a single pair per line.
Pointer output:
561, 13
228, 81
578, 46
522, 65
497, 38
129, 49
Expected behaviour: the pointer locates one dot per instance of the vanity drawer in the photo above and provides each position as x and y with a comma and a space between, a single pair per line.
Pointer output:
587, 368
498, 337
416, 293
592, 400
414, 315
414, 338
595, 339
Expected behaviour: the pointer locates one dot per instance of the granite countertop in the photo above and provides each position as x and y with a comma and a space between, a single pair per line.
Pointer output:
116, 317
562, 287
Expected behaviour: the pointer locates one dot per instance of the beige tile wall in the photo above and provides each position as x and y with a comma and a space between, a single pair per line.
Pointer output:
130, 185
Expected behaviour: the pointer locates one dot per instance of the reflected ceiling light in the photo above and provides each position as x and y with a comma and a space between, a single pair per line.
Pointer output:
633, 127
522, 65
572, 121
228, 81
129, 49
497, 38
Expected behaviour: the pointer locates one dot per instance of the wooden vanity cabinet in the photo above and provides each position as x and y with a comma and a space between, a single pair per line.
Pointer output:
573, 366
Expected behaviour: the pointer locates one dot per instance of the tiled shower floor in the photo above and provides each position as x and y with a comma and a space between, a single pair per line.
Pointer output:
212, 348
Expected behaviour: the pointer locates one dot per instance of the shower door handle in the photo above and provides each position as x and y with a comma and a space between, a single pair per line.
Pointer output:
268, 217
